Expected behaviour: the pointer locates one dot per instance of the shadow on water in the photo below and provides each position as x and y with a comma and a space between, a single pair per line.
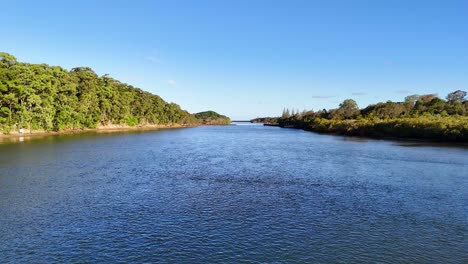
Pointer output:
50, 138
56, 138
431, 144
402, 142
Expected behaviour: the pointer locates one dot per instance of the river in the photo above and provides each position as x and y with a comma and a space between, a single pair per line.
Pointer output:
244, 193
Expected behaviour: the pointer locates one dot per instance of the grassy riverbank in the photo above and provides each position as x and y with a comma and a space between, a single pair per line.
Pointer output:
434, 128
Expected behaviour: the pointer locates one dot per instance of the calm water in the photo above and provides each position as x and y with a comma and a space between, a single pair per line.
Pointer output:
231, 194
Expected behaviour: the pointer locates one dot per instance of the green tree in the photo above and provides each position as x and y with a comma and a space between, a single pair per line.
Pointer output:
348, 109
39, 96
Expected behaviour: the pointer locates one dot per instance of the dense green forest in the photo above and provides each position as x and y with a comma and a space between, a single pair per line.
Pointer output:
418, 116
265, 120
43, 97
212, 118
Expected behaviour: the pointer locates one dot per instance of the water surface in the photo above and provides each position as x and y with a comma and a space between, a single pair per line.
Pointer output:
231, 194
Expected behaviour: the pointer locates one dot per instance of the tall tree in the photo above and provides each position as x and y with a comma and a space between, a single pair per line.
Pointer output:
457, 96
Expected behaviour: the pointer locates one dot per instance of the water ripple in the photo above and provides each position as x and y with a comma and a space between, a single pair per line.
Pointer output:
232, 194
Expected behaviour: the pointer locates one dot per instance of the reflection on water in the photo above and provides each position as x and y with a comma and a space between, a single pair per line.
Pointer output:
431, 144
231, 194
55, 136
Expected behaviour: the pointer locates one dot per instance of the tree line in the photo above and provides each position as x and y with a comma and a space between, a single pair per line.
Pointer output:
212, 118
418, 116
39, 96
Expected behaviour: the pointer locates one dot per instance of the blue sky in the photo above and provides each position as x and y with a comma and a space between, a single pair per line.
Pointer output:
251, 58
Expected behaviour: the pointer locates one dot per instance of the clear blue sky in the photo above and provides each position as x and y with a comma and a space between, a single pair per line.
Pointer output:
251, 58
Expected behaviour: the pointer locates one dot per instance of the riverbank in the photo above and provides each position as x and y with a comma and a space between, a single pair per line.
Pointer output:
433, 129
16, 136
270, 124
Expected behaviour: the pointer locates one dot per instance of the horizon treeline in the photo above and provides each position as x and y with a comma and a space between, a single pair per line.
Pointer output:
39, 96
418, 116
413, 106
212, 118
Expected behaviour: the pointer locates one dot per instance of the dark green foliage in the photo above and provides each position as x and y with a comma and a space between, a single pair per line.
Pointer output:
425, 117
348, 109
39, 96
265, 120
208, 114
385, 110
212, 118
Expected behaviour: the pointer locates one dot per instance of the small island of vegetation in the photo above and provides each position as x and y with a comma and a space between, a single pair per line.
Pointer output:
425, 117
212, 118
